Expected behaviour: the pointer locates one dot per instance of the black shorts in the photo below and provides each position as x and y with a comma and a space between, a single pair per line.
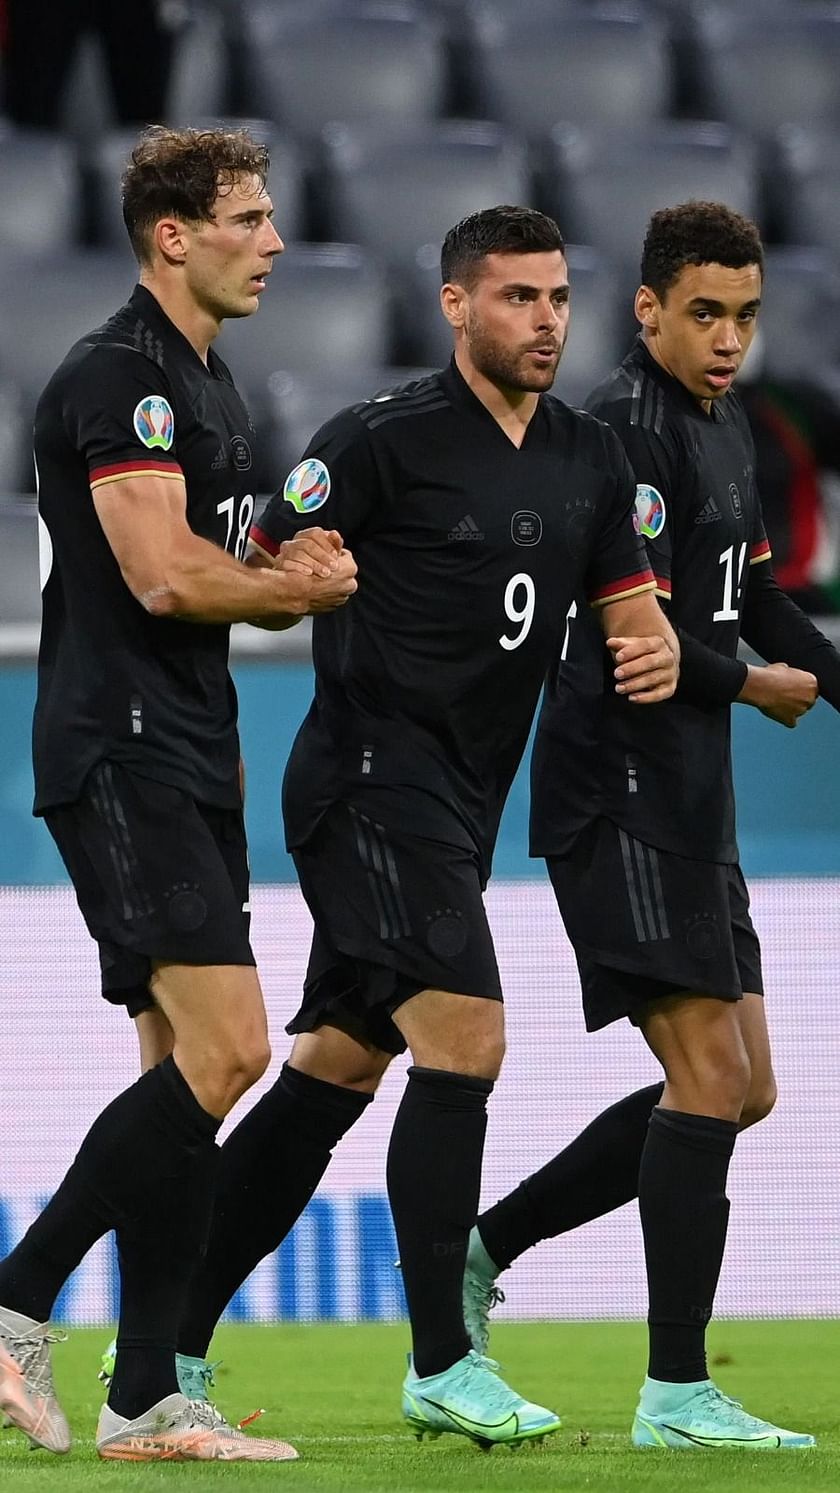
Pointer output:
394, 914
158, 877
645, 923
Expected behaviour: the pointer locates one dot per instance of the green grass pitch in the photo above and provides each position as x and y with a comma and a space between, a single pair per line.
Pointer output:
334, 1391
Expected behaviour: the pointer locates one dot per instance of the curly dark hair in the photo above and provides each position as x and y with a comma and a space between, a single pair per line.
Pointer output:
182, 172
495, 230
697, 233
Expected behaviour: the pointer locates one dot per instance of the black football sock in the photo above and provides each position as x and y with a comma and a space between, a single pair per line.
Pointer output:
596, 1173
159, 1247
684, 1211
143, 1135
434, 1177
270, 1166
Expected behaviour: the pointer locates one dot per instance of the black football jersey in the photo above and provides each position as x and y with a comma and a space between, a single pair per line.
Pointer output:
470, 552
662, 772
113, 681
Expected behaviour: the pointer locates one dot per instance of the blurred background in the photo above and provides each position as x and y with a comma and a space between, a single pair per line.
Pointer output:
388, 122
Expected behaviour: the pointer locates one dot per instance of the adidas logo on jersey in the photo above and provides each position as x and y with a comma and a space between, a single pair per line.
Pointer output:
709, 513
466, 529
220, 460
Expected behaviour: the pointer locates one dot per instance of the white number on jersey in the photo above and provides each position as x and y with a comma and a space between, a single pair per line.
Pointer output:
731, 581
570, 617
520, 585
246, 513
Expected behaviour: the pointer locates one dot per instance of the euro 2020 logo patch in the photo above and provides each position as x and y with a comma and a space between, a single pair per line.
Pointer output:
650, 507
154, 422
308, 486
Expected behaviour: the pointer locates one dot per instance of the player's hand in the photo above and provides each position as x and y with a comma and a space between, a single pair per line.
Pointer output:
646, 669
310, 552
779, 692
327, 594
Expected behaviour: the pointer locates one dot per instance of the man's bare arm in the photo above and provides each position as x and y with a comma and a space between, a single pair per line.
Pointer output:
644, 646
172, 572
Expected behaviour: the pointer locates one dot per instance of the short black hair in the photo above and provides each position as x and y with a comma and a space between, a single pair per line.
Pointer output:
697, 233
495, 230
182, 172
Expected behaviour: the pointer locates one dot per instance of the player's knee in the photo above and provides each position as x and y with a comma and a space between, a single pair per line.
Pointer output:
714, 1075
726, 1074
491, 1055
760, 1100
477, 1055
243, 1064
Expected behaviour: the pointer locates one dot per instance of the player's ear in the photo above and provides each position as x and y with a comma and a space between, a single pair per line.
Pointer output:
453, 304
169, 237
646, 307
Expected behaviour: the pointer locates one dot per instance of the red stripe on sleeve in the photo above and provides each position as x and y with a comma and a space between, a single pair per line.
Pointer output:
126, 468
263, 541
760, 552
641, 580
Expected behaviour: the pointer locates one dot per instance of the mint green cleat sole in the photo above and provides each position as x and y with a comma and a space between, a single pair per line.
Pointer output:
710, 1420
469, 1399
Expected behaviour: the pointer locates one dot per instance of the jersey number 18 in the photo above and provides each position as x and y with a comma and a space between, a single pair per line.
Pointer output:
243, 523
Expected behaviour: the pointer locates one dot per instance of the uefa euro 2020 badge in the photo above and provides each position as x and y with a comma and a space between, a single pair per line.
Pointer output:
650, 510
154, 422
308, 486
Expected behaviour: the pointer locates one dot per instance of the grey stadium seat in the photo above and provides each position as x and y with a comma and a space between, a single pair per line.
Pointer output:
799, 324
20, 590
604, 184
39, 182
349, 62
325, 304
286, 184
586, 63
594, 340
299, 404
45, 306
395, 194
803, 186
781, 67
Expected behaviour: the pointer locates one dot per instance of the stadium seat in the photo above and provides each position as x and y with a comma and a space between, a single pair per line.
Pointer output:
803, 186
603, 184
46, 304
594, 344
39, 182
353, 61
395, 194
779, 66
325, 305
299, 404
20, 590
286, 184
199, 80
584, 63
799, 325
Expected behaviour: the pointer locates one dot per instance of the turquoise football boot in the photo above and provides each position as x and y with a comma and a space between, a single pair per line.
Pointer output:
481, 1293
469, 1399
688, 1416
195, 1375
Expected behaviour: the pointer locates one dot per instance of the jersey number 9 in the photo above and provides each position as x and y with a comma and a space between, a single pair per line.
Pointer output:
520, 596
